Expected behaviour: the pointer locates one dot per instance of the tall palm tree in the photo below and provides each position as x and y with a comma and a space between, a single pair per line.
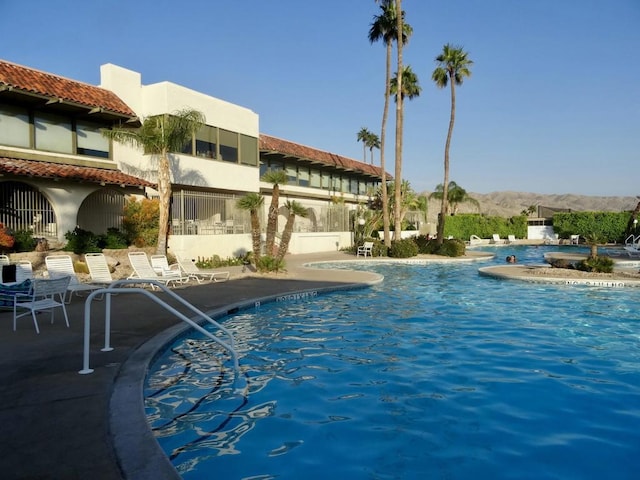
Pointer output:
276, 178
399, 118
373, 141
253, 203
453, 66
161, 135
363, 136
456, 195
384, 27
295, 209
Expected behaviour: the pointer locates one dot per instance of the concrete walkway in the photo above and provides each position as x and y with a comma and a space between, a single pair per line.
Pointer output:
58, 424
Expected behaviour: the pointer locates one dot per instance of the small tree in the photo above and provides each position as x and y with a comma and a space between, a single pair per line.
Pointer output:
253, 203
295, 209
276, 178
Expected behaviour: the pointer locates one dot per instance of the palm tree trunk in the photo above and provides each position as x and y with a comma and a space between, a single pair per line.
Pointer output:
272, 220
286, 237
255, 235
164, 192
383, 133
445, 190
398, 167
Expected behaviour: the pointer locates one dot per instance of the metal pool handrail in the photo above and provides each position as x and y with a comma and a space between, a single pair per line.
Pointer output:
115, 287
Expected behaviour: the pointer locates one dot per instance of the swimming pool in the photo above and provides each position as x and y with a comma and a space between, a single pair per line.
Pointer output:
435, 373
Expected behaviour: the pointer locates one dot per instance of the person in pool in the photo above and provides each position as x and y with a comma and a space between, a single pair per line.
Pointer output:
511, 259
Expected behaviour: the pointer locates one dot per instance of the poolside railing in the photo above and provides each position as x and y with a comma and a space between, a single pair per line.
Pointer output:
117, 287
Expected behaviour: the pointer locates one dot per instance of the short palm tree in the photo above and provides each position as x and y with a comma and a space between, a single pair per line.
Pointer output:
276, 178
456, 194
161, 135
253, 203
453, 66
295, 209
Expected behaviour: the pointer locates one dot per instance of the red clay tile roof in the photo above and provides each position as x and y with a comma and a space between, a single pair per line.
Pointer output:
277, 145
50, 85
38, 169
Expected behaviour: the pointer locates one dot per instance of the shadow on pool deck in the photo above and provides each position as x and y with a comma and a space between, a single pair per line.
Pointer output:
58, 424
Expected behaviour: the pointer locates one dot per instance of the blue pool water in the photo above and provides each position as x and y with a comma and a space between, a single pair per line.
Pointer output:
435, 373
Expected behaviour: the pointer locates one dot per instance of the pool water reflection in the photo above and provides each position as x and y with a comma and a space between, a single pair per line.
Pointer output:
437, 372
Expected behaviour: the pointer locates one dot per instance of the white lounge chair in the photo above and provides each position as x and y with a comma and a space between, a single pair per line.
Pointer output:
98, 268
62, 266
496, 238
41, 297
511, 238
190, 269
24, 271
142, 270
632, 251
4, 260
365, 249
160, 264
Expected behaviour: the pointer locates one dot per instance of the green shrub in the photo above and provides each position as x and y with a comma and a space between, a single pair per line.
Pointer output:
598, 264
81, 241
451, 248
404, 248
114, 239
140, 222
425, 245
267, 263
24, 241
217, 262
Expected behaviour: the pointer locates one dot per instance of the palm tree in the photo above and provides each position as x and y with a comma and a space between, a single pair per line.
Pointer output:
385, 28
363, 136
456, 195
373, 141
161, 135
276, 178
253, 203
453, 66
410, 85
295, 209
399, 117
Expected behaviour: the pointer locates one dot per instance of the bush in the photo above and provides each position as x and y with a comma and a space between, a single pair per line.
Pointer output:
451, 248
217, 262
598, 264
404, 248
114, 239
81, 241
267, 263
140, 222
24, 241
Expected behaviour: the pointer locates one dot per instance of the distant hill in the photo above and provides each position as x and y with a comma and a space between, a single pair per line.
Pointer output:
508, 204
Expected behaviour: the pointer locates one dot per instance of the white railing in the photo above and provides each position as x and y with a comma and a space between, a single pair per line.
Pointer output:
116, 287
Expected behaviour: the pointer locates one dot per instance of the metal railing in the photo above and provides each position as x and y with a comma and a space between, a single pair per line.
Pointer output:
117, 287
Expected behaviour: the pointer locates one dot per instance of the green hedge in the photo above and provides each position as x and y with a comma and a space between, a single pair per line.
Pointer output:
609, 226
462, 226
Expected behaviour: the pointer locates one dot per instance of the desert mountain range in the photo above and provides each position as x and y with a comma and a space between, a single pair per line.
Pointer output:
508, 204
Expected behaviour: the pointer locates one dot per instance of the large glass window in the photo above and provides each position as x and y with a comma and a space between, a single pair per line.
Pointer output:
53, 133
229, 146
90, 141
14, 127
206, 142
248, 150
326, 180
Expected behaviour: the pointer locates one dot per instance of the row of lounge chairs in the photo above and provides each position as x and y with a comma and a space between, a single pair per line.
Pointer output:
26, 295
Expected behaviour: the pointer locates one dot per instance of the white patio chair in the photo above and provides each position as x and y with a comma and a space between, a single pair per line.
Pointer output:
191, 270
511, 238
62, 266
142, 270
24, 271
42, 297
161, 266
98, 268
365, 249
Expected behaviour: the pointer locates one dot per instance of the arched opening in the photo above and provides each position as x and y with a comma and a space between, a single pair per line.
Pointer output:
22, 207
101, 210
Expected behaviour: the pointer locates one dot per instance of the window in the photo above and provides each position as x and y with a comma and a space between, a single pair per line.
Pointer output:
316, 179
90, 141
229, 146
53, 133
206, 142
14, 127
248, 150
303, 177
292, 175
326, 180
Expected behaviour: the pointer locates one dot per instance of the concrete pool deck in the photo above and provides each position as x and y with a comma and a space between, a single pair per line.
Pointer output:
58, 424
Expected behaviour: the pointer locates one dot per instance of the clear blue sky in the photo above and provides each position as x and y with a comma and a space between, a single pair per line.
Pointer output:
553, 105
